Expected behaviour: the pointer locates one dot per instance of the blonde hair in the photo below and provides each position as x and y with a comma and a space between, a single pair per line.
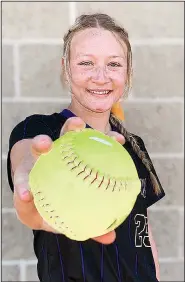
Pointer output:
99, 20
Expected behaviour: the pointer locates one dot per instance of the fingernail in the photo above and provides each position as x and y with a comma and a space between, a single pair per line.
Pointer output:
25, 195
43, 141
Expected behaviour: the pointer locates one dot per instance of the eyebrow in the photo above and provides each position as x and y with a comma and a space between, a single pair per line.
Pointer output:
115, 56
91, 55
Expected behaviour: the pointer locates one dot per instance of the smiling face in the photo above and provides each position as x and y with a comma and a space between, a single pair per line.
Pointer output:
98, 69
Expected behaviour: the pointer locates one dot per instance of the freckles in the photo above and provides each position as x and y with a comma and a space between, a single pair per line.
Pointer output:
79, 77
83, 75
119, 81
119, 78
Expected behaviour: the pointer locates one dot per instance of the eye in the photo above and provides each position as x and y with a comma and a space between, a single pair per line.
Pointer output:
114, 64
86, 63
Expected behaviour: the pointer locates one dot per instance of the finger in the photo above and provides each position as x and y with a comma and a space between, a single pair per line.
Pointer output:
22, 191
21, 186
117, 136
106, 239
27, 213
25, 210
73, 124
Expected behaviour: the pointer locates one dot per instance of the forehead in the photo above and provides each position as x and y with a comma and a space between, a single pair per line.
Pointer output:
97, 41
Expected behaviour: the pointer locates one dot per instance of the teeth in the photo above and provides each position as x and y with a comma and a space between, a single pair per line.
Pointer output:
99, 92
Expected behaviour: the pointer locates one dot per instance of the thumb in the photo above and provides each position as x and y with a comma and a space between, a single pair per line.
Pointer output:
41, 144
72, 124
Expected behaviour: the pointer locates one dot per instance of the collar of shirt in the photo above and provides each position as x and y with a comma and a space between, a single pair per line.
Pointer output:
68, 114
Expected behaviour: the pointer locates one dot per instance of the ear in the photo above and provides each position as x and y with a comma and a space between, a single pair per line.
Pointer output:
63, 73
62, 62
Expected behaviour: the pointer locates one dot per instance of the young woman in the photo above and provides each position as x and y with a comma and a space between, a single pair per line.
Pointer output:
97, 69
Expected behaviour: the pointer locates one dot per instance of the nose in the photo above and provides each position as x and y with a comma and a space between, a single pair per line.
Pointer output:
100, 76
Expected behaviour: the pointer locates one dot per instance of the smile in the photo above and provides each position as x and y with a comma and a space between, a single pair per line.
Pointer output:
99, 92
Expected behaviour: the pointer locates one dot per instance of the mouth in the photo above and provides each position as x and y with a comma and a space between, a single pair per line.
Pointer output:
100, 92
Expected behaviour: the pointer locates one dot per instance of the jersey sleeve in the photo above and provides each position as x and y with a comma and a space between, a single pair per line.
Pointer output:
151, 196
28, 128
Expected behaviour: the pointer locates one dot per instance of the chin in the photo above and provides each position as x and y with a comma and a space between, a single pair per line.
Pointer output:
100, 109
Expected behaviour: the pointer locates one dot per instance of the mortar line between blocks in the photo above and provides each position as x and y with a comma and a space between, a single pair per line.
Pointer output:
35, 100
67, 99
171, 259
4, 157
159, 208
22, 270
72, 16
157, 41
11, 262
167, 208
26, 262
8, 210
167, 155
154, 100
30, 262
72, 12
153, 156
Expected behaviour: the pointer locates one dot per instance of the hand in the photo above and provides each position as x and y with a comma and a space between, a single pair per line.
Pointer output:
23, 199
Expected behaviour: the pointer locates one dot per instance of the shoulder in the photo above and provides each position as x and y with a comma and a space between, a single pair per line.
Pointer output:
43, 117
37, 124
33, 120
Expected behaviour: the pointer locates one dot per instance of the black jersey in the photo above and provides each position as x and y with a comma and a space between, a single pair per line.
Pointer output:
128, 259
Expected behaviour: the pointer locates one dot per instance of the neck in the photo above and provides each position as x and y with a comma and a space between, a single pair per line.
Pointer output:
98, 121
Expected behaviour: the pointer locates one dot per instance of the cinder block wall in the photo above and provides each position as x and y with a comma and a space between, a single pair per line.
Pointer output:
32, 46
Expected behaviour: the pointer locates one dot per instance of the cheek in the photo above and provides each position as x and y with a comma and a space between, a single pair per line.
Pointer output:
78, 76
119, 81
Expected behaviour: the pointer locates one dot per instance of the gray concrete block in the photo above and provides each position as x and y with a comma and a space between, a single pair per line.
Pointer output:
31, 273
10, 273
40, 68
171, 175
17, 239
142, 19
158, 71
35, 19
12, 114
159, 124
181, 247
165, 228
172, 271
7, 195
8, 88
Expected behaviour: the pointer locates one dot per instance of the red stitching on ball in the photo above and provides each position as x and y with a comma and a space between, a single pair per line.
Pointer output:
108, 184
95, 178
88, 175
114, 186
76, 165
82, 171
101, 182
